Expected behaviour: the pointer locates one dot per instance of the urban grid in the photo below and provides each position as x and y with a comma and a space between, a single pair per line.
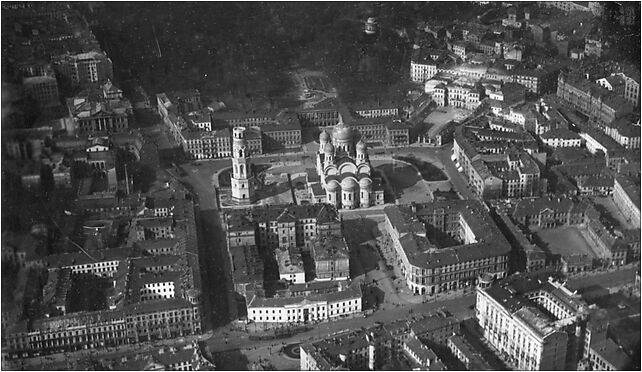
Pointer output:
321, 185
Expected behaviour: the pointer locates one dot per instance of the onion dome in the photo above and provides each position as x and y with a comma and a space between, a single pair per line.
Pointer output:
342, 132
328, 148
361, 146
332, 185
324, 137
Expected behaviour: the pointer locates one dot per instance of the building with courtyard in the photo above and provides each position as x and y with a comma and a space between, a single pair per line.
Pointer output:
444, 246
344, 170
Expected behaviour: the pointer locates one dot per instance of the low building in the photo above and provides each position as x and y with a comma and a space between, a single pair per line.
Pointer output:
465, 353
422, 356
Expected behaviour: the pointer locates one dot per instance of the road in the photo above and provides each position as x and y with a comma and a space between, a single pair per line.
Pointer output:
608, 279
459, 307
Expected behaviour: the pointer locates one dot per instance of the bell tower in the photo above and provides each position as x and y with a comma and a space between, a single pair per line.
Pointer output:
241, 187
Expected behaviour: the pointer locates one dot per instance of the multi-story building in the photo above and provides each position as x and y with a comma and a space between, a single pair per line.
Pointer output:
290, 265
302, 309
444, 246
84, 68
331, 258
93, 114
606, 355
631, 86
435, 329
561, 137
376, 109
207, 144
283, 133
280, 226
461, 94
363, 349
398, 133
422, 66
600, 105
325, 113
44, 89
497, 163
530, 321
548, 212
626, 196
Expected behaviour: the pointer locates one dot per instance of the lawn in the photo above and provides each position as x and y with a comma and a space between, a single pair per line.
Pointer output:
404, 181
565, 241
428, 171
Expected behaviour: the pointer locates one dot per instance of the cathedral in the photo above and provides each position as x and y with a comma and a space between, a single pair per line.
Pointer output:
344, 170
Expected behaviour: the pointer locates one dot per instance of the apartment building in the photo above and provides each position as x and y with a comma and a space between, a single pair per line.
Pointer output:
43, 89
283, 226
84, 68
561, 137
444, 246
331, 258
600, 105
528, 320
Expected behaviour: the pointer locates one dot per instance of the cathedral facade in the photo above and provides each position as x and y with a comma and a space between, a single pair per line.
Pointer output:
344, 170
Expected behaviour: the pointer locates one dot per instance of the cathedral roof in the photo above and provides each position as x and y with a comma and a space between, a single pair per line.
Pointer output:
324, 137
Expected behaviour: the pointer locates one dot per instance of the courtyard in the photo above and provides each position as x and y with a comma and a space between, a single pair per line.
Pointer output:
441, 116
566, 241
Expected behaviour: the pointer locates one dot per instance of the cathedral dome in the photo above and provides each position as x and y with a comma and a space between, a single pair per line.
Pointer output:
342, 133
324, 137
361, 146
328, 148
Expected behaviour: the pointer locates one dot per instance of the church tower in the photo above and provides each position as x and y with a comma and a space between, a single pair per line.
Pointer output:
241, 188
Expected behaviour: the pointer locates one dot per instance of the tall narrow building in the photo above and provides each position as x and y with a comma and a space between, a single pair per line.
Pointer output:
241, 186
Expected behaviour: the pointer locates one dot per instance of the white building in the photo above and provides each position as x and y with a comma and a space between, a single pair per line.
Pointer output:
561, 137
526, 319
300, 309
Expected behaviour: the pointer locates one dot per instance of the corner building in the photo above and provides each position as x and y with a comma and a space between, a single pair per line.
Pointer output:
445, 246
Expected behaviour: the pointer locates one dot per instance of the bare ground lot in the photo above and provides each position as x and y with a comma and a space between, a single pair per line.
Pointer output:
566, 241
